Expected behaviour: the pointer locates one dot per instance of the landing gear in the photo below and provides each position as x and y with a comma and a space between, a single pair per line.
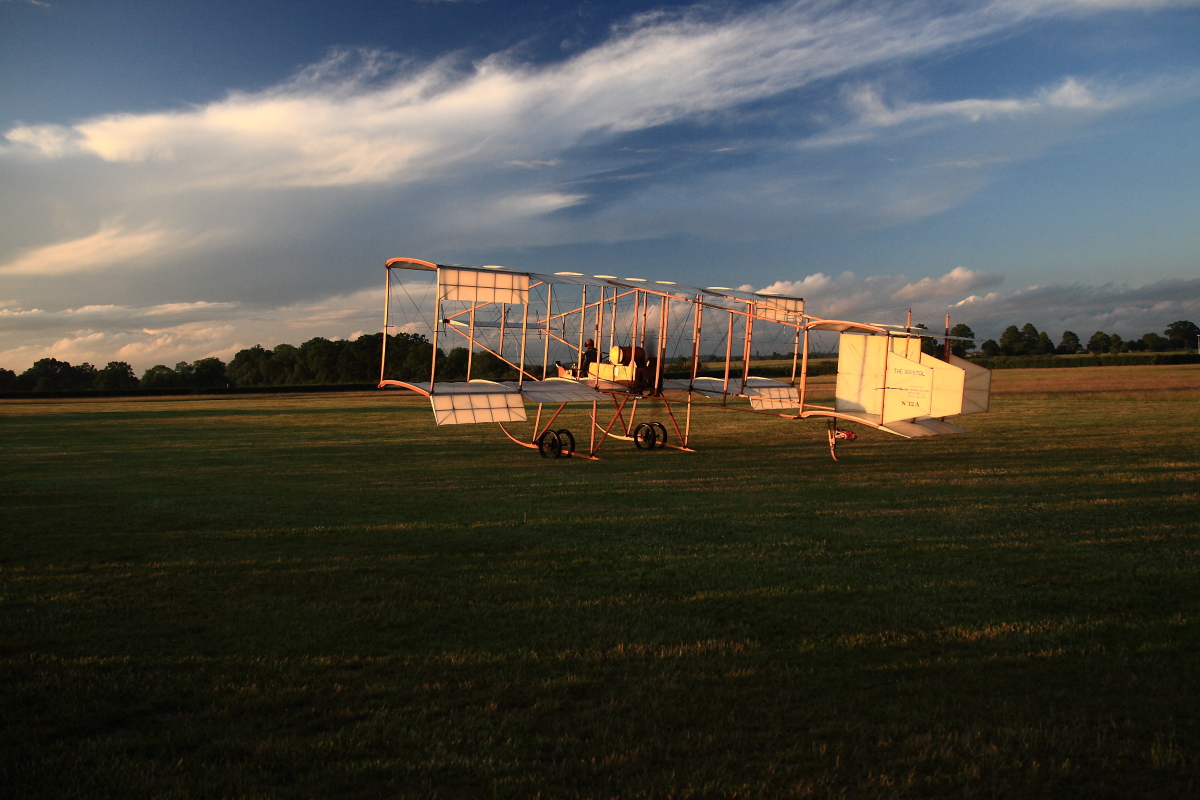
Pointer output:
556, 444
644, 436
549, 445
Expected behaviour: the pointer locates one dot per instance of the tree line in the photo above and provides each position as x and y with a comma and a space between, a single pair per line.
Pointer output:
316, 362
1029, 341
325, 361
332, 361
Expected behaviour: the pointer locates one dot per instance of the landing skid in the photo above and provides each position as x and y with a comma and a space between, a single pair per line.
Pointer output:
836, 435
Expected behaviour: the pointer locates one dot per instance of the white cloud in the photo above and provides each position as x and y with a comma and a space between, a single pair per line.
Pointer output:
846, 296
535, 164
53, 141
955, 282
541, 203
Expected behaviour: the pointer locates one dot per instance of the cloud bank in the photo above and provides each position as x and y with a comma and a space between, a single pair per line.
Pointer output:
169, 333
1115, 308
166, 334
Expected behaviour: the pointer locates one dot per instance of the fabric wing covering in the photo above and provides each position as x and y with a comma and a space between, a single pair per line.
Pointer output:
476, 401
557, 390
483, 286
764, 393
468, 402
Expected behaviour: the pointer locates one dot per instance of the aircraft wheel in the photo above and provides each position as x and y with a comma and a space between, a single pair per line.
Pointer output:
566, 442
661, 431
548, 445
644, 437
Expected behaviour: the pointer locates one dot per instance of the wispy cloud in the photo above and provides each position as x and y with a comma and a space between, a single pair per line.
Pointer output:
1039, 7
34, 319
871, 114
110, 246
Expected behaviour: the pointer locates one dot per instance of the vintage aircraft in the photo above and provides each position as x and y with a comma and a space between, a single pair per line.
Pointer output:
884, 379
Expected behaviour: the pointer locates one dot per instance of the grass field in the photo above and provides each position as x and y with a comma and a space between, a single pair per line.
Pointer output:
324, 596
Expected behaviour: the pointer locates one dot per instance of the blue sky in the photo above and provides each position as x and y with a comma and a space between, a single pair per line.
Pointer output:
184, 180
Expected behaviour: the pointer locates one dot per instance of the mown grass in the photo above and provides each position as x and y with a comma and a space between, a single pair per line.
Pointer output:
326, 596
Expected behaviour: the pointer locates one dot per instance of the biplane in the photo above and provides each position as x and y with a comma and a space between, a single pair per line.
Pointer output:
886, 380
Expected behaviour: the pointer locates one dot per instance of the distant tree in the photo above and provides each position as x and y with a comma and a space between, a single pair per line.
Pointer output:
208, 373
1099, 343
1156, 343
279, 368
1136, 345
84, 376
958, 348
244, 368
1183, 335
990, 348
408, 358
455, 364
1043, 346
1012, 343
8, 380
1117, 344
116, 376
359, 359
186, 373
1070, 344
488, 367
160, 376
418, 356
319, 359
929, 346
1029, 338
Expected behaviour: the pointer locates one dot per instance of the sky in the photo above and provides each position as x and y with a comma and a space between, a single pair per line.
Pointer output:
184, 180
